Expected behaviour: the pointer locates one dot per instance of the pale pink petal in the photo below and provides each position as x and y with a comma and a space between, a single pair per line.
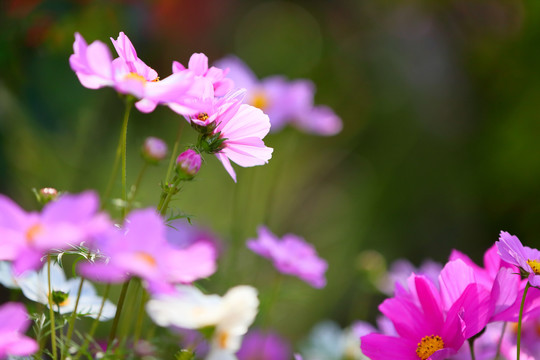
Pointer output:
198, 63
226, 164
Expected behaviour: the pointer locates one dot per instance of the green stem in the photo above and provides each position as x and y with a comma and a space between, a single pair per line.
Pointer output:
520, 320
164, 205
129, 104
73, 317
140, 317
136, 186
174, 152
94, 324
471, 346
121, 299
51, 310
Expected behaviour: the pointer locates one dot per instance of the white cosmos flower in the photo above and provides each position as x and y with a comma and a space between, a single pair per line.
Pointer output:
34, 286
231, 315
7, 277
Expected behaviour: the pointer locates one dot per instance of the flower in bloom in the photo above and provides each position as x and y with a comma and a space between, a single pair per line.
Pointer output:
95, 68
159, 263
291, 255
427, 329
284, 101
259, 345
27, 237
198, 65
230, 315
35, 287
526, 259
237, 132
14, 321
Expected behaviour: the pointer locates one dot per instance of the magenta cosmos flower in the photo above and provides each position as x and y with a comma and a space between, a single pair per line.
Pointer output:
291, 255
526, 259
141, 249
26, 237
285, 102
426, 330
14, 322
128, 74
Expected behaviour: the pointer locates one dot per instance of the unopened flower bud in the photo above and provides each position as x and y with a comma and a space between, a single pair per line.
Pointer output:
154, 150
46, 195
188, 163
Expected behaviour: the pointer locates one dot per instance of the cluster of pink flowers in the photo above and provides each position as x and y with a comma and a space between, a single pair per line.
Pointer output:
202, 94
432, 318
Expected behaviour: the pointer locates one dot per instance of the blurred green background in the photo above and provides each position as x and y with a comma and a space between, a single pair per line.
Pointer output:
440, 147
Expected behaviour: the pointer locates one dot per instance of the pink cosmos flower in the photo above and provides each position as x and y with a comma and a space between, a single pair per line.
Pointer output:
427, 328
198, 65
291, 255
284, 101
14, 322
128, 74
259, 345
141, 249
242, 132
526, 259
27, 237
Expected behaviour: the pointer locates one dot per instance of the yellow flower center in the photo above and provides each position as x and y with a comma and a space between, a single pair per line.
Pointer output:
259, 100
428, 345
32, 232
535, 266
202, 116
146, 257
135, 76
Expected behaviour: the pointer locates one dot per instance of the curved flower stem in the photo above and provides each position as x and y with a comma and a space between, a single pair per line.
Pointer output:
499, 344
94, 324
121, 299
51, 310
140, 317
174, 152
518, 346
72, 319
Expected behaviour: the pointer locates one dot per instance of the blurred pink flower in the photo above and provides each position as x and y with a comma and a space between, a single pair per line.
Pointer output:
291, 255
27, 237
259, 345
285, 102
14, 322
198, 65
159, 263
128, 74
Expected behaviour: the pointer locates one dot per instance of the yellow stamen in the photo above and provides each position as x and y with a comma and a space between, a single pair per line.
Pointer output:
223, 339
535, 266
34, 231
428, 345
202, 116
146, 257
259, 100
156, 79
135, 76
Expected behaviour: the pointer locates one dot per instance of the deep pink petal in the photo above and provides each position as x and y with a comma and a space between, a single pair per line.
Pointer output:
382, 347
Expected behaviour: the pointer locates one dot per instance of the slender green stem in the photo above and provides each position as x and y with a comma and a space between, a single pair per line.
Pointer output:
110, 184
140, 316
73, 318
135, 187
520, 320
51, 310
499, 344
95, 323
121, 299
129, 104
174, 152
164, 205
471, 346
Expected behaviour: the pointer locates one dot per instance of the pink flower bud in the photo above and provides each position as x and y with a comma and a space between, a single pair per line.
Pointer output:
154, 150
188, 163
